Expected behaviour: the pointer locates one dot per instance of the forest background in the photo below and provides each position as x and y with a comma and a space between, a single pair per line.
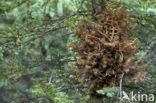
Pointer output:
37, 62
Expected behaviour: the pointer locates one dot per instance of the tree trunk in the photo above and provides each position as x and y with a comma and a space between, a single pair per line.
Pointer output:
98, 6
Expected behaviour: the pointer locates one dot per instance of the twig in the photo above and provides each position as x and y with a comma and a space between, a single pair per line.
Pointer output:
121, 78
50, 77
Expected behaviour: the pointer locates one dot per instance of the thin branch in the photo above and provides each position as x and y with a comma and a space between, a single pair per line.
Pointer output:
44, 33
121, 78
78, 13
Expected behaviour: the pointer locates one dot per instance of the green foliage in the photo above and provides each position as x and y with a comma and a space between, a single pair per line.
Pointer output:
35, 40
50, 91
110, 92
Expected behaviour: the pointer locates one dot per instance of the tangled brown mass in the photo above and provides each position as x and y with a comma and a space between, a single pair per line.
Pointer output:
105, 52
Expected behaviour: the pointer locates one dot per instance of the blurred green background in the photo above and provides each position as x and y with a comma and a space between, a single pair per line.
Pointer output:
37, 64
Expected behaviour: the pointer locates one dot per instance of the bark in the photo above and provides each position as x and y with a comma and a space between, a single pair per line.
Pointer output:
98, 6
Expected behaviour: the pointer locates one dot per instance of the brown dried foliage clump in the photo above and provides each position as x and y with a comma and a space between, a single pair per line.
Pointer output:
106, 52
